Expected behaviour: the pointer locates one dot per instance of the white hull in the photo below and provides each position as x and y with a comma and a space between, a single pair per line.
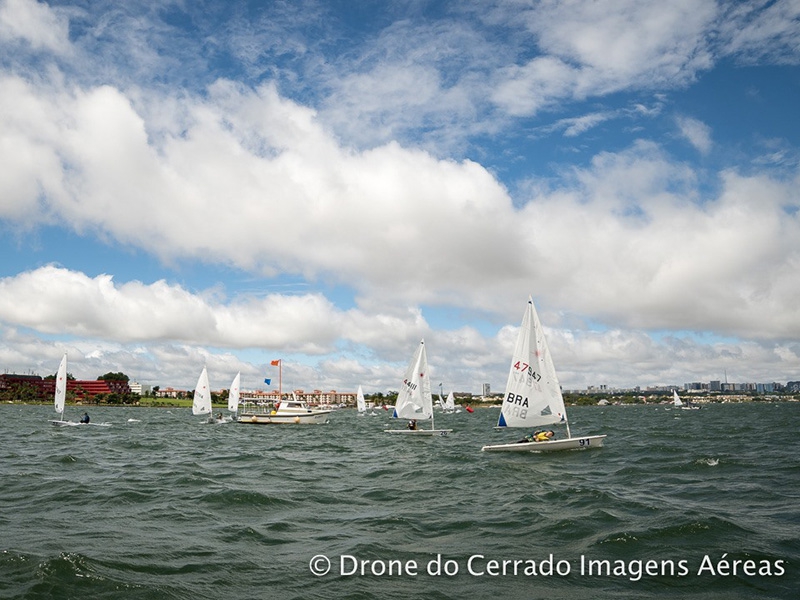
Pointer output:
76, 424
428, 432
576, 443
66, 423
305, 418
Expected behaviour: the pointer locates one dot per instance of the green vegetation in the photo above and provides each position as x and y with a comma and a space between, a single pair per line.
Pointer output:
113, 377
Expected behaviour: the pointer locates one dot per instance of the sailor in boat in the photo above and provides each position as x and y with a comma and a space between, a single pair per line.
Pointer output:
412, 424
85, 418
537, 436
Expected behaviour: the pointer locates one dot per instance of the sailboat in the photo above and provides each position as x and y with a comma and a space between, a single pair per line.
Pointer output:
233, 396
60, 396
201, 404
533, 395
450, 403
676, 401
414, 401
361, 403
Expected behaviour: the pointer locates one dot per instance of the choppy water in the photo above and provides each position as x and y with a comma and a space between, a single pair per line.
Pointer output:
170, 508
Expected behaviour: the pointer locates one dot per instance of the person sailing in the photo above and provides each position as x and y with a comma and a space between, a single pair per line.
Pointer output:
537, 436
85, 418
412, 425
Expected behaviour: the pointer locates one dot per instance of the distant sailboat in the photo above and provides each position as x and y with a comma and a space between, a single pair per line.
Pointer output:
361, 403
414, 401
450, 403
233, 396
676, 400
533, 394
201, 405
60, 396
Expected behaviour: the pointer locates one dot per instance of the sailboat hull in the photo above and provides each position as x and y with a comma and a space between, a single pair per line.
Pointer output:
428, 432
577, 443
315, 417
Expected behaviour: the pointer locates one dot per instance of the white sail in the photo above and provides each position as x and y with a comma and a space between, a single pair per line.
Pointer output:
533, 394
360, 401
414, 401
202, 395
676, 400
61, 386
450, 402
233, 395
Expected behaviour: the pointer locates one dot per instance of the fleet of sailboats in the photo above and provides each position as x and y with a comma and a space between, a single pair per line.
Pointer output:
532, 398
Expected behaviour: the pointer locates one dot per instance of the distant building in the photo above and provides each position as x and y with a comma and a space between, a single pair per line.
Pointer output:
139, 389
487, 390
45, 388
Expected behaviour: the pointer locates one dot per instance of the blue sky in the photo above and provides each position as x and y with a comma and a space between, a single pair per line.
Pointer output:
227, 183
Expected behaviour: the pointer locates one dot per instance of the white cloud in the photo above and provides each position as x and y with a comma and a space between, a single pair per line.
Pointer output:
36, 23
251, 179
696, 132
634, 244
758, 30
593, 49
55, 300
575, 126
252, 167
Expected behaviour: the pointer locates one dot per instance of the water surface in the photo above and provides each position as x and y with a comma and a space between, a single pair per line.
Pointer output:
161, 505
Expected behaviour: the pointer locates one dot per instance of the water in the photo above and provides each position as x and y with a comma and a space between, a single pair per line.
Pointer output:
170, 508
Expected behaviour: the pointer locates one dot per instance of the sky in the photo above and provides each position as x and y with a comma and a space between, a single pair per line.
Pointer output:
225, 183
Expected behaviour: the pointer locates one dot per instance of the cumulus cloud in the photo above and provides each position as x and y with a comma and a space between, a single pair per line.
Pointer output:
633, 240
55, 300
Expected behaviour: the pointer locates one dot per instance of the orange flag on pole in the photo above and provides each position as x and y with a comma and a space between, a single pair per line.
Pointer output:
275, 363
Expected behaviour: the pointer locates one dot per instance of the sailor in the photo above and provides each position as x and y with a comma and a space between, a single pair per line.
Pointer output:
85, 418
412, 424
542, 436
